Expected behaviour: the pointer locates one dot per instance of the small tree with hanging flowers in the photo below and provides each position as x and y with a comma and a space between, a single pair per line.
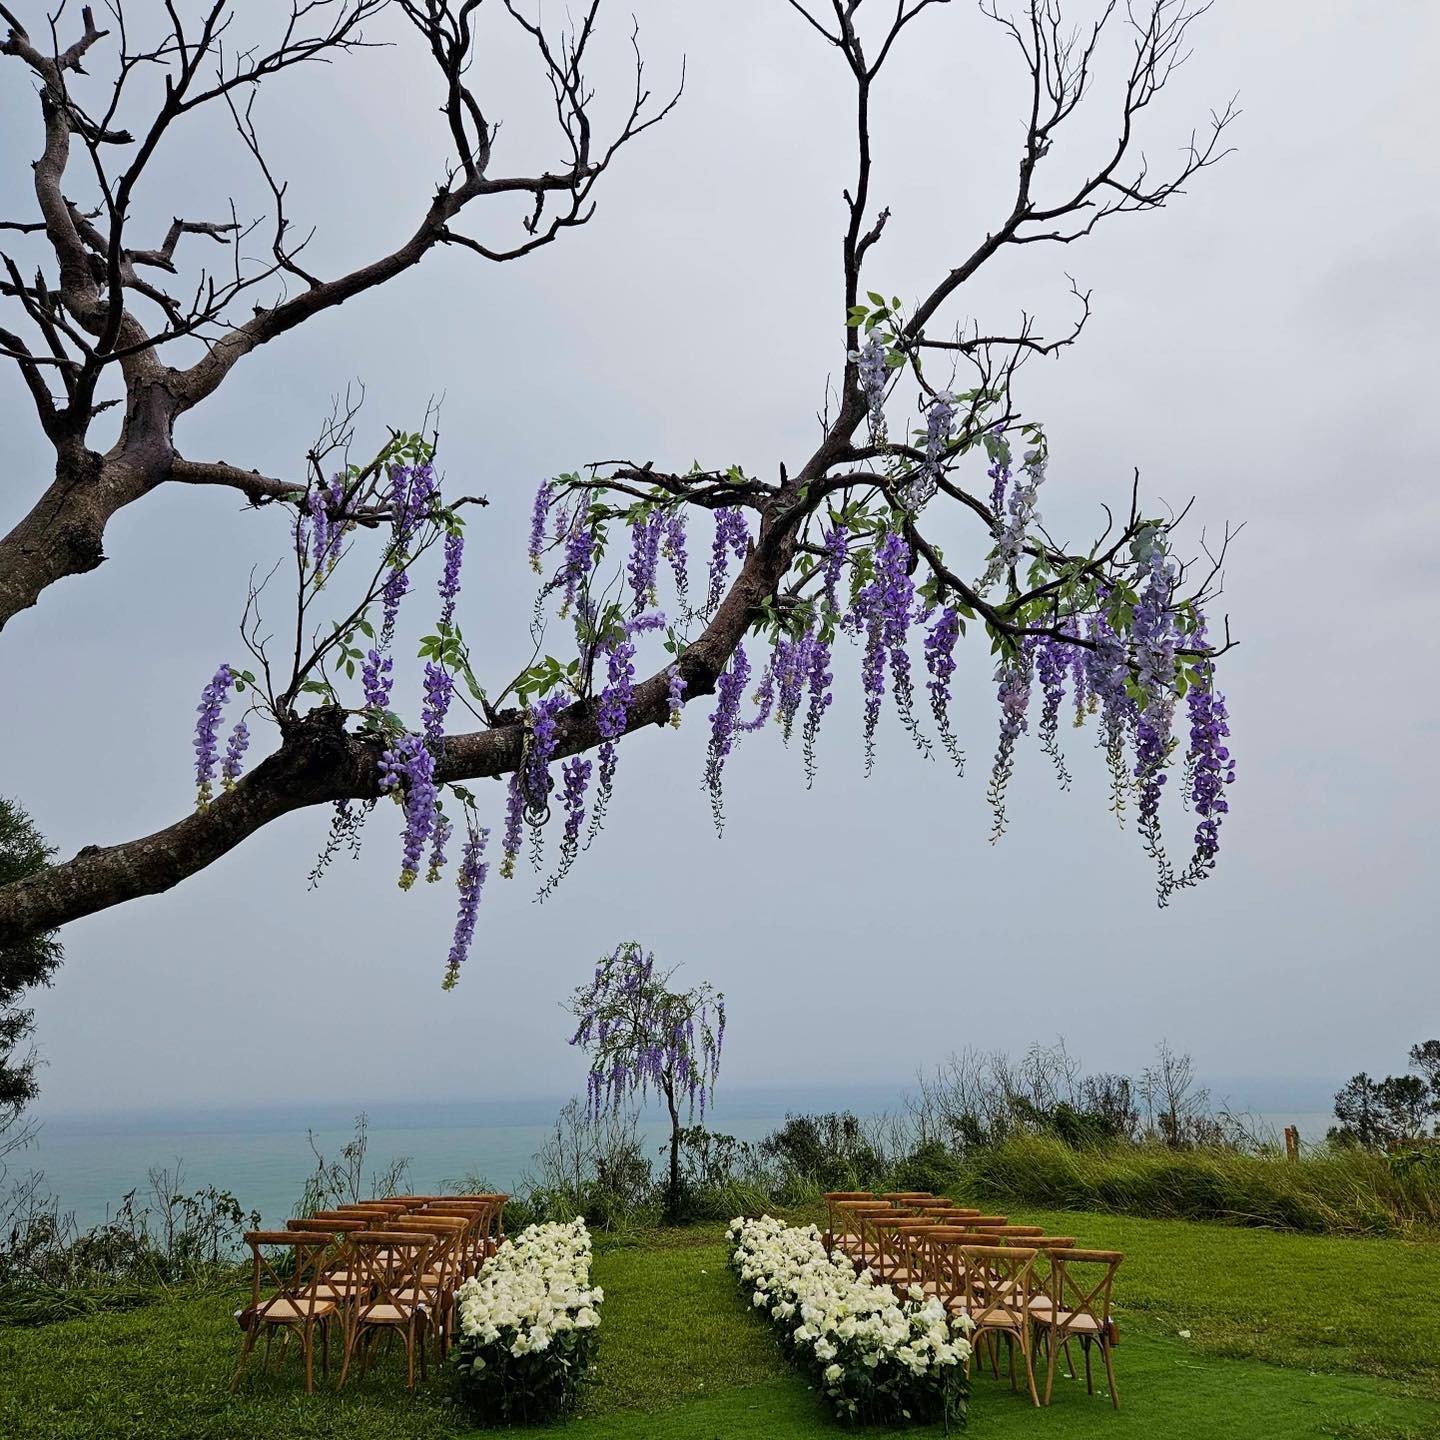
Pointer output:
644, 1037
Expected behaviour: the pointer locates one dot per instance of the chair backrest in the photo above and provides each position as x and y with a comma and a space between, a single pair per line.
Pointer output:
290, 1263
1080, 1286
373, 1208
833, 1199
908, 1197
1000, 1282
1009, 1231
984, 1222
391, 1265
850, 1214
943, 1262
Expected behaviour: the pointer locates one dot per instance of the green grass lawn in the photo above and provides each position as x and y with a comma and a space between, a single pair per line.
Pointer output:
1290, 1337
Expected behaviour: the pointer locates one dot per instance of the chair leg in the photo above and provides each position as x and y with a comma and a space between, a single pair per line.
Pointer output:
349, 1345
1052, 1355
1110, 1374
245, 1348
1089, 1381
307, 1340
1027, 1356
410, 1357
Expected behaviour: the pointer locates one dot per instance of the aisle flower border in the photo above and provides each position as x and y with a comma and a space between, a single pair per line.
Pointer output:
874, 1357
528, 1325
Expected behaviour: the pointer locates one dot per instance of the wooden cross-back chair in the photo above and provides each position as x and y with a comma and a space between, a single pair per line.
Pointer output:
338, 1278
476, 1215
909, 1264
874, 1234
442, 1275
833, 1198
999, 1281
907, 1198
288, 1264
850, 1216
1080, 1284
496, 1201
394, 1300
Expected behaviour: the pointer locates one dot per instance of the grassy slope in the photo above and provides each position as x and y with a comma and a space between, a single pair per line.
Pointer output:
682, 1360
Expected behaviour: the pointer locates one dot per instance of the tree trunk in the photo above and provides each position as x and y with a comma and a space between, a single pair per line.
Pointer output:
672, 1193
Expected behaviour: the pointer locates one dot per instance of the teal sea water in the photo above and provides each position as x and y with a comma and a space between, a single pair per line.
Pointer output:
263, 1155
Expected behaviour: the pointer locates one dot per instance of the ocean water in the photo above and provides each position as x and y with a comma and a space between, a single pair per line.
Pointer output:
263, 1154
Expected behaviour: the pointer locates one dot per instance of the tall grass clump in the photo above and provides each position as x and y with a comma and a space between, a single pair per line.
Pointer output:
1335, 1190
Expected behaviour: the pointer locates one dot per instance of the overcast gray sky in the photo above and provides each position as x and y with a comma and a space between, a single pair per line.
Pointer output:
1266, 345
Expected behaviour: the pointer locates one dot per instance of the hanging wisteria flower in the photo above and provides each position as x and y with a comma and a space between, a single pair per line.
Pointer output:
940, 662
732, 537
376, 678
1022, 512
675, 552
449, 586
789, 666
613, 709
544, 737
883, 608
514, 826
397, 586
999, 473
471, 880
439, 687
207, 731
235, 755
675, 694
939, 425
645, 535
579, 559
409, 767
764, 698
872, 361
1052, 663
538, 512
1013, 677
438, 842
1154, 637
1212, 767
729, 691
575, 780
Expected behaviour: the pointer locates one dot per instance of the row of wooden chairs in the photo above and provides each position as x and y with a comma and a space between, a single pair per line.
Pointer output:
1012, 1281
378, 1267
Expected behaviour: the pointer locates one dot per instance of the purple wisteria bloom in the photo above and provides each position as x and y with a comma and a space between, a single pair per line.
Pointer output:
439, 688
675, 694
1212, 767
732, 537
939, 426
940, 642
764, 698
883, 608
409, 767
874, 373
1013, 678
674, 550
538, 511
729, 691
207, 731
514, 826
438, 841
644, 562
449, 586
376, 678
234, 762
471, 879
1052, 664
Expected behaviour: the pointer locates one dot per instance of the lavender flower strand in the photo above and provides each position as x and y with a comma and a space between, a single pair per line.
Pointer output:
449, 586
940, 643
1013, 678
207, 731
732, 536
471, 879
729, 690
234, 762
538, 512
675, 694
409, 768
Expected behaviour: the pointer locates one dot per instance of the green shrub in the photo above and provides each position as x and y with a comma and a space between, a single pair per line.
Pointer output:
1336, 1191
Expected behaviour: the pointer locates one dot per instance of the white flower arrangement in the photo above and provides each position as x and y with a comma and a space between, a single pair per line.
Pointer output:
528, 1324
874, 1357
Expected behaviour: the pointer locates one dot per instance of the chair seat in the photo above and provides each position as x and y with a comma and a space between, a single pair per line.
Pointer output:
391, 1314
282, 1310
